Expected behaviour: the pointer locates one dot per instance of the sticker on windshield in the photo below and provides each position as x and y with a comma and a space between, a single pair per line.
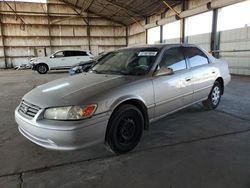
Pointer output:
147, 53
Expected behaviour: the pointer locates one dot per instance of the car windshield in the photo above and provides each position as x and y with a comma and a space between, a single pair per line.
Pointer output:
132, 61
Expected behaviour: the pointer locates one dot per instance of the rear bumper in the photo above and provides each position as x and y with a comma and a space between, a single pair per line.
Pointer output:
81, 134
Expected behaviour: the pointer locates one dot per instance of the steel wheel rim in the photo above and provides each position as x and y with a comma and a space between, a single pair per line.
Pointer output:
127, 130
215, 95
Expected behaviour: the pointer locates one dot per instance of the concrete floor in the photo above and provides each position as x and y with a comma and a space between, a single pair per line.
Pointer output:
191, 148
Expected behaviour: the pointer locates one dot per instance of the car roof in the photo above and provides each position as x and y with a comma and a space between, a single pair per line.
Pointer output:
161, 45
72, 50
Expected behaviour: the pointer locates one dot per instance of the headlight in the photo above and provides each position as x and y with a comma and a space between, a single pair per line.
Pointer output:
75, 68
70, 112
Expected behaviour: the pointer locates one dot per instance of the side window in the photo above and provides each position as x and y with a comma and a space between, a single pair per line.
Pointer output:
83, 53
73, 53
67, 53
76, 53
59, 54
196, 57
174, 59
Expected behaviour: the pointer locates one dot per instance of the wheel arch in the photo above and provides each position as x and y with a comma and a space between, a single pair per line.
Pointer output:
221, 81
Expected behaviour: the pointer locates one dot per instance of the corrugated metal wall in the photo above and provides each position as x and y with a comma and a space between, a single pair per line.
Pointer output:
136, 34
37, 37
236, 40
203, 40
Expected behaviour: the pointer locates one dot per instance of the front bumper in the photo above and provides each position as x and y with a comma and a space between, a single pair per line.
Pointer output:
63, 135
72, 71
32, 66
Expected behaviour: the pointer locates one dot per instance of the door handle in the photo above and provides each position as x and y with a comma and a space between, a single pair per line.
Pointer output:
188, 78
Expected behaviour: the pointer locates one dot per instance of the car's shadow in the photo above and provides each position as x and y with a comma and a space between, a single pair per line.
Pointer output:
58, 72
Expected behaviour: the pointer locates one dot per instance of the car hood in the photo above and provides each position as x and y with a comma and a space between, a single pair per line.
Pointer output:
74, 90
38, 59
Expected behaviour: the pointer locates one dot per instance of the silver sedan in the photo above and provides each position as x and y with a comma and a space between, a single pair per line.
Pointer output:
118, 98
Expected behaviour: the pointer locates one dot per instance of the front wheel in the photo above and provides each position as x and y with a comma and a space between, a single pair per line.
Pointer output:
42, 69
125, 129
214, 97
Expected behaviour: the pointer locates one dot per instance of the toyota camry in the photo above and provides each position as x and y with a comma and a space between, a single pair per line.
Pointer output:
120, 96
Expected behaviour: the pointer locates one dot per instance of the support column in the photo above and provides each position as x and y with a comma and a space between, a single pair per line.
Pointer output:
184, 7
127, 36
146, 31
215, 36
161, 33
88, 33
49, 27
3, 42
161, 29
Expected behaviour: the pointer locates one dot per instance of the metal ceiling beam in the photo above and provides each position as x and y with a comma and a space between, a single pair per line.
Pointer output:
171, 8
76, 2
107, 18
103, 7
128, 11
89, 5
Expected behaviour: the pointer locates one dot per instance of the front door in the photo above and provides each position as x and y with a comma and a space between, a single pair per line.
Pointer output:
57, 60
174, 91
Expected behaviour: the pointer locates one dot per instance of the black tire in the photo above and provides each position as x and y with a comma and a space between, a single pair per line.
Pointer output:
214, 97
42, 68
125, 129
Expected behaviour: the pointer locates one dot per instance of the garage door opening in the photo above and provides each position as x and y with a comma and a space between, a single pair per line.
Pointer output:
172, 32
153, 35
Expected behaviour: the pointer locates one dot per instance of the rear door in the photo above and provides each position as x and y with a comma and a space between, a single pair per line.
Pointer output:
173, 91
83, 56
70, 58
203, 73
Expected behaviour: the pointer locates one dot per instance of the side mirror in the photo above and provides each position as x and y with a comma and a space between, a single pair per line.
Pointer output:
163, 71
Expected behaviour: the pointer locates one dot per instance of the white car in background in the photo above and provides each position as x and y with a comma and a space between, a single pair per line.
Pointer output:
63, 59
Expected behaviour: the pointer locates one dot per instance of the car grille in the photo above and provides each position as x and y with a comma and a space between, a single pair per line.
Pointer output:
28, 109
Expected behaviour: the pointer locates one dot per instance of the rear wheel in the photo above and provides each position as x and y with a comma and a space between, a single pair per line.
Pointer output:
125, 129
42, 69
214, 97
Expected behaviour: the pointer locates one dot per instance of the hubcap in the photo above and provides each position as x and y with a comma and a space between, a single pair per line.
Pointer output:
215, 95
42, 69
127, 130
